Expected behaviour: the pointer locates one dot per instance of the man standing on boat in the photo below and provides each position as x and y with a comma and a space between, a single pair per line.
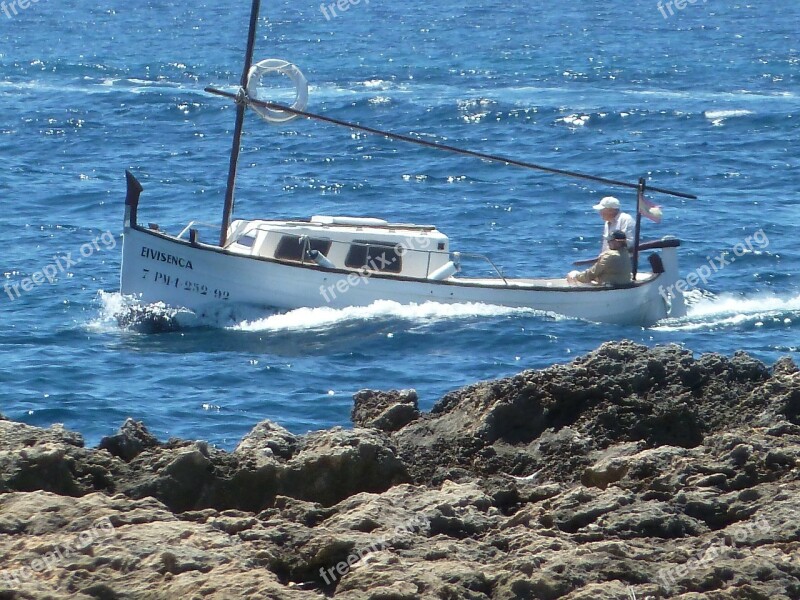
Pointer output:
615, 220
613, 267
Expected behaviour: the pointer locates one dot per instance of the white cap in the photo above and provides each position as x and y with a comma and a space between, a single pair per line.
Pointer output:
607, 202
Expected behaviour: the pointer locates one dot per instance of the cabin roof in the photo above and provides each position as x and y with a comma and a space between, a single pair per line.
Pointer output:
347, 224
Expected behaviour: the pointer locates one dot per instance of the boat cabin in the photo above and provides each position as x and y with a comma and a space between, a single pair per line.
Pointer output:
348, 243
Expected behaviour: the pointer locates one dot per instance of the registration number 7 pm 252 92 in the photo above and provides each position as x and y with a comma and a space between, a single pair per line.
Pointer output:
181, 283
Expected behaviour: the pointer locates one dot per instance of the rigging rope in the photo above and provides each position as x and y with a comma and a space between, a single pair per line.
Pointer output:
447, 147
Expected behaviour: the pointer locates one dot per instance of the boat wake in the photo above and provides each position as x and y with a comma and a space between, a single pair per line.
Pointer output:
706, 312
709, 311
124, 312
429, 312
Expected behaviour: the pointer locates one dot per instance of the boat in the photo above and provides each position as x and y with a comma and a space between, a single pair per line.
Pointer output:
342, 261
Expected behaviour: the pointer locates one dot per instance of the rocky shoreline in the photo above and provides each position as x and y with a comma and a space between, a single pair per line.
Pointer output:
628, 473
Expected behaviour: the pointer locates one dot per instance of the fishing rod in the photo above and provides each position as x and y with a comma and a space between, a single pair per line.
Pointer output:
445, 147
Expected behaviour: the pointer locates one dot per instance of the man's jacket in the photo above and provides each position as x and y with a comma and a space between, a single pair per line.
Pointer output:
613, 267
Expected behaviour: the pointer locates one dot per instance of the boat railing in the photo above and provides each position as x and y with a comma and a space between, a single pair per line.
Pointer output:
238, 235
487, 260
192, 224
246, 228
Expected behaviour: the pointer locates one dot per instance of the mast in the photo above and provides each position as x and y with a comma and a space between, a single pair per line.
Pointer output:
241, 108
636, 236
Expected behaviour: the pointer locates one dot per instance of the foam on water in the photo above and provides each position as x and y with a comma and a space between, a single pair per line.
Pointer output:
718, 117
117, 312
726, 114
109, 304
325, 317
728, 310
120, 312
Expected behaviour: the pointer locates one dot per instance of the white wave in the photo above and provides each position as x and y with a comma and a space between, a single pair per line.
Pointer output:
527, 96
110, 304
730, 304
376, 83
34, 85
726, 114
574, 120
315, 318
380, 100
102, 86
718, 117
730, 311
119, 312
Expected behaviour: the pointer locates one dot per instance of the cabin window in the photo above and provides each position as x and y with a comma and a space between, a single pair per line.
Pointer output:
374, 256
247, 241
291, 247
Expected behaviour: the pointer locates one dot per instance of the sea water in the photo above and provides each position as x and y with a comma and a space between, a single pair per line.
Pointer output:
703, 99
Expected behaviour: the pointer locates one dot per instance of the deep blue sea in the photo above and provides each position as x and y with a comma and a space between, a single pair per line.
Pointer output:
706, 100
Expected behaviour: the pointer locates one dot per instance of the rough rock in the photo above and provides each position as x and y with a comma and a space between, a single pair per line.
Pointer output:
553, 419
54, 460
130, 441
630, 472
270, 440
387, 411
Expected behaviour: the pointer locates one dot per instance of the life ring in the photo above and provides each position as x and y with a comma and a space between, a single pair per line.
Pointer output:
276, 65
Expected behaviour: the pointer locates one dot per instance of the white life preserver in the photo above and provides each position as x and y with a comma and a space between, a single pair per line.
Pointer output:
276, 65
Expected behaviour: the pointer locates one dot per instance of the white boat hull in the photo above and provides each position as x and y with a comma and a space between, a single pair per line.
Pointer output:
157, 267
